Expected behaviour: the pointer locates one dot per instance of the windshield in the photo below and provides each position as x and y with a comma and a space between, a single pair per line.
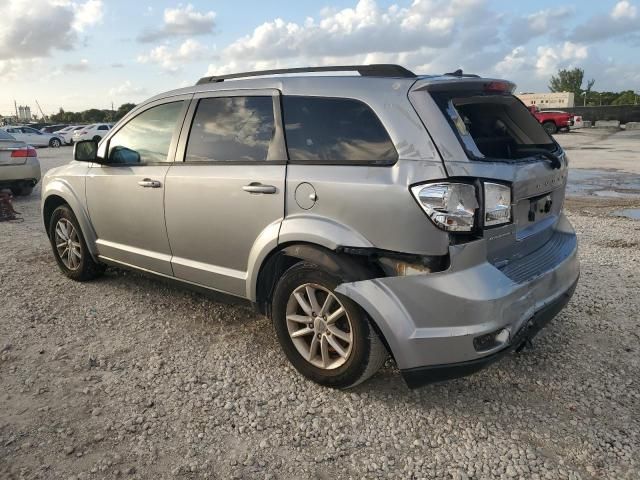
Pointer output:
494, 126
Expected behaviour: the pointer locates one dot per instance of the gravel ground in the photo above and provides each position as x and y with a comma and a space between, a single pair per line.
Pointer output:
126, 377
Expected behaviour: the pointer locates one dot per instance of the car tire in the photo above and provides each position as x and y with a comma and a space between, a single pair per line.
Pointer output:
22, 190
55, 143
338, 352
69, 246
550, 127
97, 138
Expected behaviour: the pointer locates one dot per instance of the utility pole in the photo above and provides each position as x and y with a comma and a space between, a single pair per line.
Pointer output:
113, 114
15, 104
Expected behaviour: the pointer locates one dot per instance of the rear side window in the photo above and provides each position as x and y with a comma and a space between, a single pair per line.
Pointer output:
5, 136
494, 126
335, 130
231, 129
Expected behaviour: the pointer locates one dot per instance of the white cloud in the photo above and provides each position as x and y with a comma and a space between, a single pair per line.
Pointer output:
36, 28
189, 51
623, 10
550, 59
417, 35
181, 21
87, 14
127, 90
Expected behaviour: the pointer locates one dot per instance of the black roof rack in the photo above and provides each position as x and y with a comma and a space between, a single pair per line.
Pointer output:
376, 70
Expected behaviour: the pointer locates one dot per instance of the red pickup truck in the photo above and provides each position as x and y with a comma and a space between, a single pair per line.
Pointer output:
552, 121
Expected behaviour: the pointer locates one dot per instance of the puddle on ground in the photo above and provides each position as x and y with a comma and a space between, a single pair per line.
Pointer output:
603, 183
633, 213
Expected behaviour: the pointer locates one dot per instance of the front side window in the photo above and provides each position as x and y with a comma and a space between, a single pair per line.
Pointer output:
103, 127
231, 129
335, 130
147, 137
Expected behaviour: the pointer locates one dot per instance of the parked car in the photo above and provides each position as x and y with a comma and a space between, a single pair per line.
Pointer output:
93, 132
19, 166
33, 137
53, 128
385, 212
67, 133
552, 120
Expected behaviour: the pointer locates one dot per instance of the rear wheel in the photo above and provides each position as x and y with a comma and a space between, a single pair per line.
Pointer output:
326, 336
97, 138
550, 127
69, 247
21, 190
55, 143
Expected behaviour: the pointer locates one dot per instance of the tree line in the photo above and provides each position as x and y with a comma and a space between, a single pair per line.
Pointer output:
572, 80
93, 115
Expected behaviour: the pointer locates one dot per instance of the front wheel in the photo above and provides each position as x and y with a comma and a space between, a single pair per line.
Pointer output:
69, 247
97, 138
550, 127
325, 335
55, 143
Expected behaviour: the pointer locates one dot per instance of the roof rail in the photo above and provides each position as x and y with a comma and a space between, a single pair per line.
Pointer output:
375, 70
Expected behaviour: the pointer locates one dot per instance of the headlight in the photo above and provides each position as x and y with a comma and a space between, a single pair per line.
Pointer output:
497, 201
451, 206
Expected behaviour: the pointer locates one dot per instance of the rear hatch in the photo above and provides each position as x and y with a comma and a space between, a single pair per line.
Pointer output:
484, 134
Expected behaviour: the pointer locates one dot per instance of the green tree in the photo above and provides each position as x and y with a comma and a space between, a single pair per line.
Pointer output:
570, 81
628, 97
123, 110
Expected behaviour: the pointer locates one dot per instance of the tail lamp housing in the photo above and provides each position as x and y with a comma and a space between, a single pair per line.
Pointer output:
454, 206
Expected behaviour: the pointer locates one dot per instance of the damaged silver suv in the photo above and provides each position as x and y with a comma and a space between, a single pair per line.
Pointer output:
367, 214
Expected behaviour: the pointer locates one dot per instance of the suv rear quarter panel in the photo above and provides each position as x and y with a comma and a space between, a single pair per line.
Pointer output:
363, 204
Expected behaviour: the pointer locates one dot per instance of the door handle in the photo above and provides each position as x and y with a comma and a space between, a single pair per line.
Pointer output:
257, 187
148, 183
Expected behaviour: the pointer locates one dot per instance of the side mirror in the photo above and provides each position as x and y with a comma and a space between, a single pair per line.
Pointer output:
85, 151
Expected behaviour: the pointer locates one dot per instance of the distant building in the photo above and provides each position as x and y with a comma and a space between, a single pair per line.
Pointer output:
548, 100
24, 113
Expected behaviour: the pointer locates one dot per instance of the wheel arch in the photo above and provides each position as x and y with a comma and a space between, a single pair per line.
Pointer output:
56, 193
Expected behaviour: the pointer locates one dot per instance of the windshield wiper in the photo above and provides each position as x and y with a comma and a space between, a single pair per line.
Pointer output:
554, 159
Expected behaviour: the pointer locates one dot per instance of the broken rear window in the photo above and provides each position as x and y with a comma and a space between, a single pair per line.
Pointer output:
496, 127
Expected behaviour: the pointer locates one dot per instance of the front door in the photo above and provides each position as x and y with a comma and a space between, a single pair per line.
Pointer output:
226, 188
125, 193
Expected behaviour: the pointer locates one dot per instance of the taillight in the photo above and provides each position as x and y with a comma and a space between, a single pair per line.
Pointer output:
497, 204
451, 206
24, 152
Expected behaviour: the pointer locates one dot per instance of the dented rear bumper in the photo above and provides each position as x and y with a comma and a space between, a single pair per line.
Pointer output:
432, 320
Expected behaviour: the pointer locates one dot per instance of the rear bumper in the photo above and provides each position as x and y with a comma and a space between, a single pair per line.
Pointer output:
28, 172
435, 321
419, 376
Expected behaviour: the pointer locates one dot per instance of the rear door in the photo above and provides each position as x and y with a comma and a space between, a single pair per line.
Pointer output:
484, 132
226, 188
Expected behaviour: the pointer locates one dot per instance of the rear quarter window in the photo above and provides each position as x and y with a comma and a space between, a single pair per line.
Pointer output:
335, 130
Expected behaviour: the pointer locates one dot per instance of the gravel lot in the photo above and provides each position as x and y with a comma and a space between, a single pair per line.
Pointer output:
126, 377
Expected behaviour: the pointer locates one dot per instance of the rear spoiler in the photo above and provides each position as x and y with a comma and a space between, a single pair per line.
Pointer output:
452, 84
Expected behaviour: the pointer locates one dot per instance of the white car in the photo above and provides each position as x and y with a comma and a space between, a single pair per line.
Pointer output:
67, 133
92, 132
33, 137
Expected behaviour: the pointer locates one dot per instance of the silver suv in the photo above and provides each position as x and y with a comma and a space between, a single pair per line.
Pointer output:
371, 214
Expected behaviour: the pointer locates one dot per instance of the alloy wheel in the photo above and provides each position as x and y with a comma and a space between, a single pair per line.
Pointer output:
68, 244
319, 326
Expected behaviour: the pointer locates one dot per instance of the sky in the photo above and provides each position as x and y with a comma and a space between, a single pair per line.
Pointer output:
79, 54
